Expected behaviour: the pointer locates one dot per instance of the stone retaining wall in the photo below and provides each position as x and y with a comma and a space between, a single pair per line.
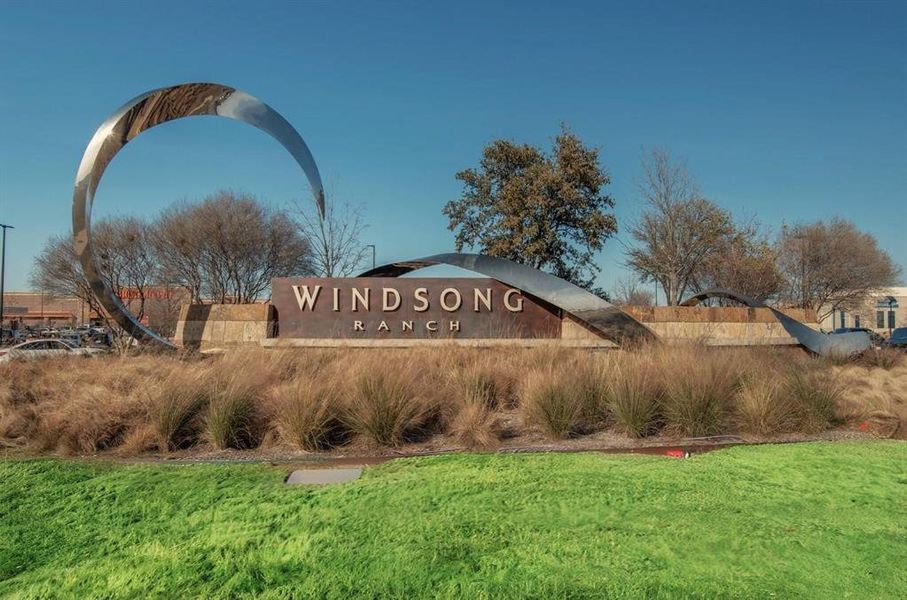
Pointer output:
719, 326
204, 327
210, 326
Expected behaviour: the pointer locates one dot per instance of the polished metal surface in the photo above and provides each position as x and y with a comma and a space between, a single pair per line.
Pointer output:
823, 344
599, 315
142, 113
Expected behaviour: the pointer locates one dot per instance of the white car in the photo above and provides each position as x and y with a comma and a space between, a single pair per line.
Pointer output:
36, 349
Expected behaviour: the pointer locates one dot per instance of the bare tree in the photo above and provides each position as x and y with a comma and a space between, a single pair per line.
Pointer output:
226, 248
829, 266
57, 272
174, 236
679, 231
125, 260
629, 292
746, 262
334, 241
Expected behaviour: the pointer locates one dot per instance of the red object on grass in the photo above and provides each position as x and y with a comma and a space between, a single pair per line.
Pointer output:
864, 426
675, 453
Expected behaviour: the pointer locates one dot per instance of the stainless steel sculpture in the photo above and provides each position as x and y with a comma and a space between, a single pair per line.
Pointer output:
823, 344
144, 112
600, 316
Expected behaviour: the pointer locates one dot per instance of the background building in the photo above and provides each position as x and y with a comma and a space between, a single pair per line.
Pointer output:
37, 309
880, 312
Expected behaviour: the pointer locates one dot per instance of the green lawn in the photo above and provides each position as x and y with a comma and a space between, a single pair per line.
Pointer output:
821, 520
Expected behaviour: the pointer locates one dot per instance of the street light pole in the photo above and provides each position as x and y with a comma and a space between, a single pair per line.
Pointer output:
3, 273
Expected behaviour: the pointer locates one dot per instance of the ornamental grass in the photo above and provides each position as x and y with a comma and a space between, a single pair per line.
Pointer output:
448, 397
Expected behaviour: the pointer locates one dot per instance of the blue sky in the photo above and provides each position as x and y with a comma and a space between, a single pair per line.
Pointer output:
783, 111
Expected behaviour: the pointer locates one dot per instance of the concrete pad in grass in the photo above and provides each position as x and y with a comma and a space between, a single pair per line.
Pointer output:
322, 476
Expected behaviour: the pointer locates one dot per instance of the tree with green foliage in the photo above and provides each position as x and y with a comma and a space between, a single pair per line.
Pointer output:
545, 210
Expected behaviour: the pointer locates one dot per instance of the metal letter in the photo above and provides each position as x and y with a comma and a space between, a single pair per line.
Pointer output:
360, 299
421, 294
459, 299
384, 304
518, 306
486, 299
307, 299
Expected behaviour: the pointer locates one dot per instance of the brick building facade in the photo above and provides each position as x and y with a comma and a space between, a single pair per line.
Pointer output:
35, 309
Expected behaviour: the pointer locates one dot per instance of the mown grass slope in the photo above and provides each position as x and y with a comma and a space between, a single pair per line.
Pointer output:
820, 520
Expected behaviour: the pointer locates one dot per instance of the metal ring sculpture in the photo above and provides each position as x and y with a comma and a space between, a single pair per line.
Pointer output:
823, 344
601, 316
144, 112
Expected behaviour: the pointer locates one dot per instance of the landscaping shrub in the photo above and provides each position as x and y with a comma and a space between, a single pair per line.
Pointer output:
698, 386
473, 394
816, 395
763, 408
174, 407
387, 405
315, 399
233, 418
874, 396
633, 395
475, 426
553, 401
87, 425
307, 414
589, 374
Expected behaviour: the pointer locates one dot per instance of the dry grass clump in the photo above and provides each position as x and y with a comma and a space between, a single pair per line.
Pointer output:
698, 388
633, 395
816, 395
174, 408
763, 407
476, 426
875, 396
554, 401
475, 392
387, 403
882, 358
233, 418
306, 414
88, 423
318, 399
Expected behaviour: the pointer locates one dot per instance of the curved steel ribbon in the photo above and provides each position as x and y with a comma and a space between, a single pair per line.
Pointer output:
149, 110
823, 344
599, 315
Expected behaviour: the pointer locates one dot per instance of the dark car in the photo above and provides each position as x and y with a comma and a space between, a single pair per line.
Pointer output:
877, 340
898, 338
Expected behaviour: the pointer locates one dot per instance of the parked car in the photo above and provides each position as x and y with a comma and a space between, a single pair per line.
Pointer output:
898, 339
73, 338
11, 336
47, 348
